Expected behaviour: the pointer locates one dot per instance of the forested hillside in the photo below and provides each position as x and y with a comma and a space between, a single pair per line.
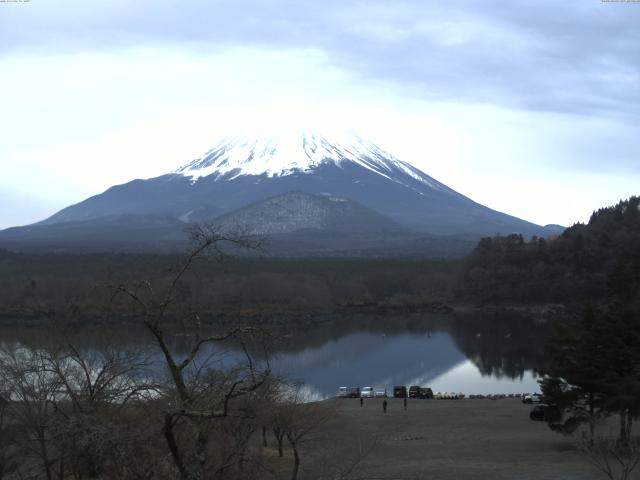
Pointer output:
592, 262
45, 283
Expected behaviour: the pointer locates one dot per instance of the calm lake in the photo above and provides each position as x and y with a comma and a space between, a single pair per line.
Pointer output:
470, 353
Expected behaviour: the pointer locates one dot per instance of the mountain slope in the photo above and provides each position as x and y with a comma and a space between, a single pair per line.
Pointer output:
113, 232
295, 224
294, 211
238, 172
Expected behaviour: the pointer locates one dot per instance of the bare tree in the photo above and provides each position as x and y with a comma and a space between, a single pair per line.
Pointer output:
614, 459
297, 419
34, 391
105, 377
7, 464
104, 413
196, 393
67, 403
96, 384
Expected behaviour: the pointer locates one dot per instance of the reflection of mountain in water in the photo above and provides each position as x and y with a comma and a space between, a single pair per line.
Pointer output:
361, 350
416, 350
373, 359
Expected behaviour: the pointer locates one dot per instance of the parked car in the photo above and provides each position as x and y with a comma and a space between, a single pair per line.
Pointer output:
532, 398
366, 392
400, 392
414, 391
343, 392
426, 393
545, 413
353, 392
380, 392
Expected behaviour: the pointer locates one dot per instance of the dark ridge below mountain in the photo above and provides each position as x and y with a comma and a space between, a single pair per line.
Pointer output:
155, 234
112, 232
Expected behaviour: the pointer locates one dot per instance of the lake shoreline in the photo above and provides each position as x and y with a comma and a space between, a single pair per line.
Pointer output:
538, 312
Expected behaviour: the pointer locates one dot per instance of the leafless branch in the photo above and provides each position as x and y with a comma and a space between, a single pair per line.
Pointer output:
615, 460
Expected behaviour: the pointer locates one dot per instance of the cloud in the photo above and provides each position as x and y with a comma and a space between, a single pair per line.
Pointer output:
540, 92
575, 57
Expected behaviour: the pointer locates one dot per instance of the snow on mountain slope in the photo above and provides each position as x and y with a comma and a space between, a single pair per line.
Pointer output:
287, 153
243, 170
293, 211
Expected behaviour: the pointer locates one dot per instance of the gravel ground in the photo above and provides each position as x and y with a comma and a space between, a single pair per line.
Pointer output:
445, 439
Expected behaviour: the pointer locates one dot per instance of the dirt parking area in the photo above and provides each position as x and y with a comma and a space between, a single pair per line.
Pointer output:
449, 439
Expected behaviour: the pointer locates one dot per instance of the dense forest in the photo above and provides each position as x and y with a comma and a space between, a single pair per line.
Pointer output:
38, 284
589, 371
587, 262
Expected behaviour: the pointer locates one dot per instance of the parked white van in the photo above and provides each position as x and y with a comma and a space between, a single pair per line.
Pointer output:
366, 392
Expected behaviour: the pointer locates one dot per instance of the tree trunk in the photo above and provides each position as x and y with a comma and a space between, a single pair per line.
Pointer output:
61, 467
174, 370
45, 456
624, 435
167, 430
280, 439
592, 421
296, 462
201, 454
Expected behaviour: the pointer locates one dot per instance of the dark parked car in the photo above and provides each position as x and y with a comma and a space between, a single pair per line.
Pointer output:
400, 392
545, 413
353, 392
414, 391
426, 393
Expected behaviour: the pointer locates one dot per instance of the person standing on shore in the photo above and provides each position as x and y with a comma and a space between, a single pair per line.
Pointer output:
405, 403
361, 402
384, 406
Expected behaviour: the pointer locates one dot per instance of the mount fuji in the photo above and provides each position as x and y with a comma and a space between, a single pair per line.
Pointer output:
239, 178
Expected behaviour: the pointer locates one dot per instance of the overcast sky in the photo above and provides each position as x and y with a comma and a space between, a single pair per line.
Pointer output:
531, 108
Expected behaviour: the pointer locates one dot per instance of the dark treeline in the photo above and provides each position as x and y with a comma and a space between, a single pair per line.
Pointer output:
591, 370
586, 263
43, 283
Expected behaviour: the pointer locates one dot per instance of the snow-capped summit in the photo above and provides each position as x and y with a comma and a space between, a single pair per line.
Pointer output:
242, 171
285, 153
